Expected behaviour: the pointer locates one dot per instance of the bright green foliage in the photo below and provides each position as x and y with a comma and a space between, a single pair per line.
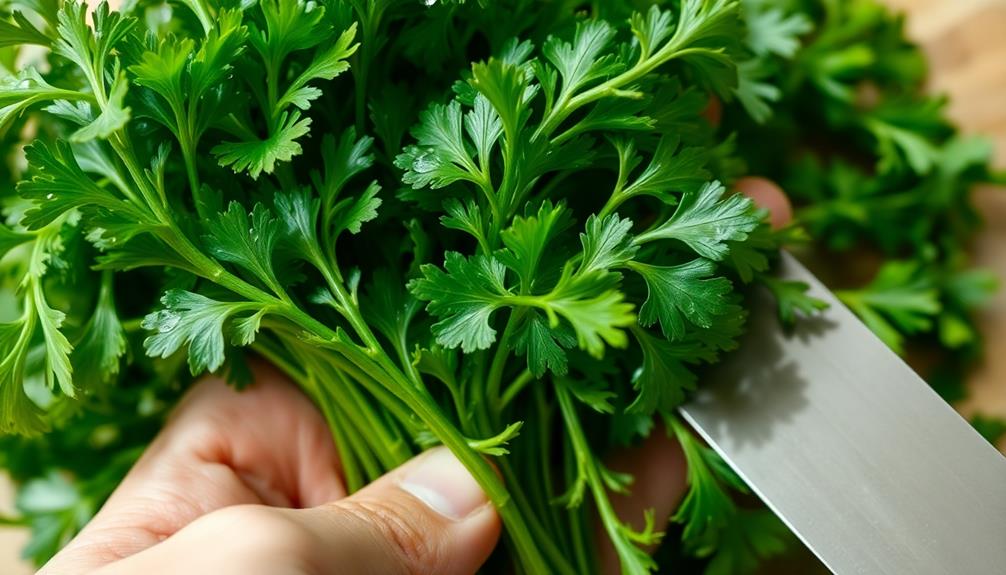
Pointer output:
900, 299
705, 222
525, 258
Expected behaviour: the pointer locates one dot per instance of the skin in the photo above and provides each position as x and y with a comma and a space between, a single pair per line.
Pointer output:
249, 483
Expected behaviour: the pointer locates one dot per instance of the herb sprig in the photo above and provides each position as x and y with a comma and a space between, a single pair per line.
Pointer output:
525, 258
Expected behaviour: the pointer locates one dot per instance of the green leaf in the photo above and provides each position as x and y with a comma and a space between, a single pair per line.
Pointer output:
591, 305
504, 85
707, 507
544, 346
26, 89
746, 541
771, 30
464, 296
326, 64
672, 168
440, 157
466, 217
663, 378
527, 239
898, 145
707, 222
112, 118
351, 213
683, 293
754, 90
162, 70
290, 25
217, 52
901, 299
256, 155
751, 256
58, 370
583, 61
96, 355
596, 396
341, 161
248, 243
496, 446
21, 31
389, 307
438, 362
18, 413
606, 243
792, 298
10, 239
711, 30
196, 321
88, 47
298, 212
59, 185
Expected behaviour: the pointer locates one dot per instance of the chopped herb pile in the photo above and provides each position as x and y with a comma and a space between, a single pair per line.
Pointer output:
505, 227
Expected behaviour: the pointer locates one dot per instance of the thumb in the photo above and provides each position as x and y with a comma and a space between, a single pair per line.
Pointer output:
427, 516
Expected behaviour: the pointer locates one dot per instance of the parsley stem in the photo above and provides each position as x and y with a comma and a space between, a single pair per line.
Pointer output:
347, 458
515, 388
541, 535
646, 64
495, 379
627, 551
423, 405
577, 518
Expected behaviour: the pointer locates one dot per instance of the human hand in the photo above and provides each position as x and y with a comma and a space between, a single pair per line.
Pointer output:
248, 482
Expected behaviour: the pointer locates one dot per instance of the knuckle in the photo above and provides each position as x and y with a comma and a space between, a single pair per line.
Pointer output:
411, 538
261, 531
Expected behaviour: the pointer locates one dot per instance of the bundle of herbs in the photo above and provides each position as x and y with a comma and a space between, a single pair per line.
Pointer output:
503, 227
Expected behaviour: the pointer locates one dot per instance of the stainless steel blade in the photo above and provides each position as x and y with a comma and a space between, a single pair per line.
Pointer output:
864, 462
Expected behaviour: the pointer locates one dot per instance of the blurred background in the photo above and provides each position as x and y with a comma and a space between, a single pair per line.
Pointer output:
966, 48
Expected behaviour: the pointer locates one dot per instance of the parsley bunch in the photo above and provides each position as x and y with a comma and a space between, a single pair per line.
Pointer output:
503, 228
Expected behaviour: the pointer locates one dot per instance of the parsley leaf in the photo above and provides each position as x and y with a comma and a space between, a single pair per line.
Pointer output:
706, 222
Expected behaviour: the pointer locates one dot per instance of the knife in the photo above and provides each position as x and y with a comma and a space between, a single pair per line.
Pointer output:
871, 469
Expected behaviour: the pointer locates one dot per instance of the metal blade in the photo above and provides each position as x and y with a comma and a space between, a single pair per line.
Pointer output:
863, 461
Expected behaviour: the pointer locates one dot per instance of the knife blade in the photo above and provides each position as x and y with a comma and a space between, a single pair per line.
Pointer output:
871, 469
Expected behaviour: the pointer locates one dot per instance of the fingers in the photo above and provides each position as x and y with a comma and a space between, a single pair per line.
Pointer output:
266, 444
428, 516
658, 468
767, 194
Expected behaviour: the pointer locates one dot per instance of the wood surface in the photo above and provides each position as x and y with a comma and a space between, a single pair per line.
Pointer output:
965, 41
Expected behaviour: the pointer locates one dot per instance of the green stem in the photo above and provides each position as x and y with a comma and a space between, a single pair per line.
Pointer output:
541, 535
627, 551
347, 459
515, 388
646, 64
495, 379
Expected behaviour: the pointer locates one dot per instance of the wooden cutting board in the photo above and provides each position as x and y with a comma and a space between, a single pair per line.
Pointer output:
966, 44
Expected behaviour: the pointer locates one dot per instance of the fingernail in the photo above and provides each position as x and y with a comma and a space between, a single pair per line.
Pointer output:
440, 481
